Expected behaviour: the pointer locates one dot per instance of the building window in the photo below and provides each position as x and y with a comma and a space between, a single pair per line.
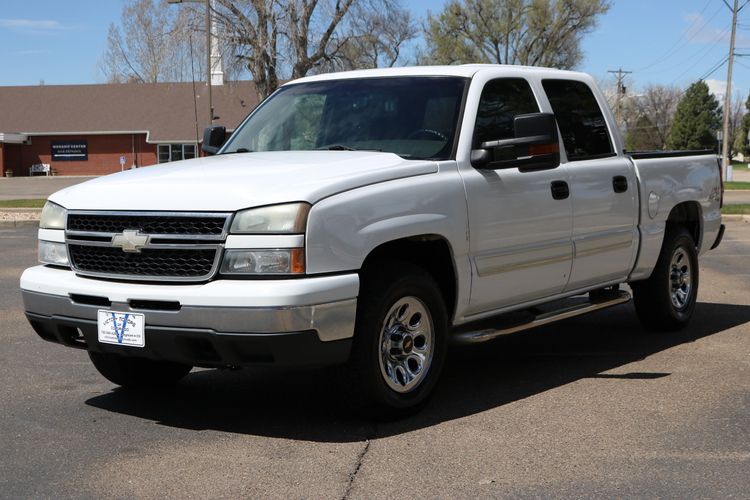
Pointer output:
163, 153
188, 151
175, 152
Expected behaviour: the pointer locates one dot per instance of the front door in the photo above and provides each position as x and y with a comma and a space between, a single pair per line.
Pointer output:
519, 233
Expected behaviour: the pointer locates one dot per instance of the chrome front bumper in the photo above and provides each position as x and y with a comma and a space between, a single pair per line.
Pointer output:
220, 323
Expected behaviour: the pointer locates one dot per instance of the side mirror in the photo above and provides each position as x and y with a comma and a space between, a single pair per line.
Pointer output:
213, 139
535, 146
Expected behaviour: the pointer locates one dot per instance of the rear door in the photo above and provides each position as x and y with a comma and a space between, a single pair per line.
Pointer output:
603, 187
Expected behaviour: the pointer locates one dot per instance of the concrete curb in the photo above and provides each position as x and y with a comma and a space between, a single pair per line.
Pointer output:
735, 218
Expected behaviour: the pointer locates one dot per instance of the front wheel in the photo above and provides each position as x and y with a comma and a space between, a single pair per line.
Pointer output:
400, 340
138, 372
666, 300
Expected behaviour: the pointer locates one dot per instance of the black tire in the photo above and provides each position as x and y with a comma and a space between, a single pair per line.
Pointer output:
393, 284
653, 298
138, 372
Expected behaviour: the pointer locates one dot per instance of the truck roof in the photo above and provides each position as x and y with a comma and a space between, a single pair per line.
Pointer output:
466, 70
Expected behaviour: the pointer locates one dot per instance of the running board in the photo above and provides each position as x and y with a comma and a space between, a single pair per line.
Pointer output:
600, 302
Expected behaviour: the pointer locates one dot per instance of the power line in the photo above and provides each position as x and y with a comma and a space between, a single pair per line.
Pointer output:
702, 52
714, 68
670, 50
706, 51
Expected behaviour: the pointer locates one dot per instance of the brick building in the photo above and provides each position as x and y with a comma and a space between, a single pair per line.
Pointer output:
86, 129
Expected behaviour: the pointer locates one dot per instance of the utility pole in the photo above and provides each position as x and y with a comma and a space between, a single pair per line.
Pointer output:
620, 75
208, 63
726, 164
208, 53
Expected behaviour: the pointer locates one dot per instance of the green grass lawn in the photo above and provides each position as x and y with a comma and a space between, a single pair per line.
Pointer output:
737, 185
22, 203
736, 209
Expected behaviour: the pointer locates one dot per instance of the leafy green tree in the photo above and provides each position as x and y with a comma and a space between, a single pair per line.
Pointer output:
741, 142
642, 136
527, 32
697, 119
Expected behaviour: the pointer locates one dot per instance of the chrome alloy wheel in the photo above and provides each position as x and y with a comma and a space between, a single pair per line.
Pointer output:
406, 344
680, 286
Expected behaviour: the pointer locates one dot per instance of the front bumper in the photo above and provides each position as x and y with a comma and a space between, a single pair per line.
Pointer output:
306, 321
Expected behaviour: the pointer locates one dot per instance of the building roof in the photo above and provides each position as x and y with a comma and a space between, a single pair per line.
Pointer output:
164, 111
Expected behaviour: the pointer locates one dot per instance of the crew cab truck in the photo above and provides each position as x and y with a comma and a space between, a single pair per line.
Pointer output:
368, 218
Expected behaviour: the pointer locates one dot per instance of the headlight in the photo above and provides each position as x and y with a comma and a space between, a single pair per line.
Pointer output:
284, 219
285, 261
53, 216
52, 252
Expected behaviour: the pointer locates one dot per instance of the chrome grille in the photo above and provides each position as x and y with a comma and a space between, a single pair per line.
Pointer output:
181, 246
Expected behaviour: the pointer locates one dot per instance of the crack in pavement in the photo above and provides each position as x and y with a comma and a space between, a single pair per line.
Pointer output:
358, 464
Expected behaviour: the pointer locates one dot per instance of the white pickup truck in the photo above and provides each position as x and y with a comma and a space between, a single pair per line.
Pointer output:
368, 218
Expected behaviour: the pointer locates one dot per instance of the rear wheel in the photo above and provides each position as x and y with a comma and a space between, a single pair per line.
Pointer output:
666, 300
400, 340
138, 372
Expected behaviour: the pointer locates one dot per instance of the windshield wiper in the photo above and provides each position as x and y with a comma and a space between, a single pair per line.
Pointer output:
342, 147
337, 147
238, 150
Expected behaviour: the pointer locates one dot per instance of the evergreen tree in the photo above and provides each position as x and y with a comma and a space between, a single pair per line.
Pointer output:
697, 119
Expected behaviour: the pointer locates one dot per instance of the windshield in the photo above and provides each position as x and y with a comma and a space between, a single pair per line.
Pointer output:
414, 117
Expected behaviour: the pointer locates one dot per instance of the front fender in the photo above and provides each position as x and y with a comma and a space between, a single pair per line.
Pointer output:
343, 229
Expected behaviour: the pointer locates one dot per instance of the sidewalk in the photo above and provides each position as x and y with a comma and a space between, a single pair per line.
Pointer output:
22, 188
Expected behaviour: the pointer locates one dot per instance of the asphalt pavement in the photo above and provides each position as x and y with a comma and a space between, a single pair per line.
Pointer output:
590, 407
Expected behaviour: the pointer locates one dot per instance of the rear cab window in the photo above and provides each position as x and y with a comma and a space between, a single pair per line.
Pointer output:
582, 125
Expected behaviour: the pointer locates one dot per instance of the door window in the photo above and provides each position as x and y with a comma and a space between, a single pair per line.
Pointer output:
580, 119
501, 101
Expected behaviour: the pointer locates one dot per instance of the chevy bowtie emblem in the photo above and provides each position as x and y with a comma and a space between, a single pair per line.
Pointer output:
130, 240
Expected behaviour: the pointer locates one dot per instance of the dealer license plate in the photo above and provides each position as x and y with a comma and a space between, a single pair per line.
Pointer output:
121, 328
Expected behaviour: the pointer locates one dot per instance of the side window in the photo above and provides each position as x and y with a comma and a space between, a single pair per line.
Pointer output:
501, 101
582, 125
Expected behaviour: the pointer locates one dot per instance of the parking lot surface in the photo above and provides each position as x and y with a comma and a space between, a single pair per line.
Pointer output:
17, 188
593, 406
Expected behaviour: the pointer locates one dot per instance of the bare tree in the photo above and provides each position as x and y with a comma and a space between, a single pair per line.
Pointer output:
377, 37
269, 34
528, 32
659, 104
646, 116
154, 42
276, 39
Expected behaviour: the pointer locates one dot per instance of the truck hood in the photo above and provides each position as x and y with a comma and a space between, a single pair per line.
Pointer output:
236, 181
